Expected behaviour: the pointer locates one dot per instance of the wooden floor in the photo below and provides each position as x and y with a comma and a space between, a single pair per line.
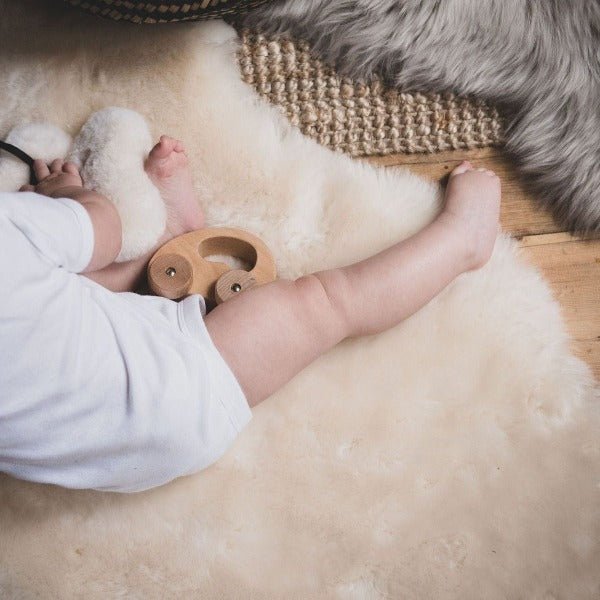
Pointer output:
570, 264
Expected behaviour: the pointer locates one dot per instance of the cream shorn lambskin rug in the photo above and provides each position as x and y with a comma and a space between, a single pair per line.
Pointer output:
455, 456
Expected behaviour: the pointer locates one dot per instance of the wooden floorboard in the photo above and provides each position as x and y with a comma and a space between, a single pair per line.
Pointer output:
570, 264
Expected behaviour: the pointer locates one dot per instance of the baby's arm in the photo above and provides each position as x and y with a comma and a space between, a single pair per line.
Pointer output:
62, 180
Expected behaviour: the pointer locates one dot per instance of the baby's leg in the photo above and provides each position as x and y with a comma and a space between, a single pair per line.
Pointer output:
268, 334
168, 168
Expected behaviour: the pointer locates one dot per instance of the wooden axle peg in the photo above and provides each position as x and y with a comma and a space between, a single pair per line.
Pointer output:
171, 274
232, 283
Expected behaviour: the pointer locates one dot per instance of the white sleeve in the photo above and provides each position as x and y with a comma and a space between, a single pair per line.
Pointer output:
59, 229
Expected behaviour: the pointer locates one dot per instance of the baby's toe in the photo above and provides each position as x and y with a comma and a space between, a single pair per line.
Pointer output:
462, 168
163, 148
171, 143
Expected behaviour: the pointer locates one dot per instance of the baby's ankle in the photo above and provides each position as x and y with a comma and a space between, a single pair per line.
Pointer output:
471, 253
472, 209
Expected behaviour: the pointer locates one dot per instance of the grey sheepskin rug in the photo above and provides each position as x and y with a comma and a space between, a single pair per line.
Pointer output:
537, 60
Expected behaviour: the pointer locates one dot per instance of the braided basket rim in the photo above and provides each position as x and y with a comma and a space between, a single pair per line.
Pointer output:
159, 12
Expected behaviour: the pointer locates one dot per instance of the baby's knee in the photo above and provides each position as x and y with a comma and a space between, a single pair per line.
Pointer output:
323, 298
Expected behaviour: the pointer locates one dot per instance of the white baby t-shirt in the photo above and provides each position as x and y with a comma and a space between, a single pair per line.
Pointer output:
100, 390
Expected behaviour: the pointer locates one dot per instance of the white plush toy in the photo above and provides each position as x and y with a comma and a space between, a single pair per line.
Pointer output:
110, 151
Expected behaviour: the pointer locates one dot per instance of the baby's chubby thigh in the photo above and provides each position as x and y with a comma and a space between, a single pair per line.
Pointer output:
269, 333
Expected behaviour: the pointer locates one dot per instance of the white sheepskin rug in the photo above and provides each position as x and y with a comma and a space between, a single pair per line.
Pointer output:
455, 456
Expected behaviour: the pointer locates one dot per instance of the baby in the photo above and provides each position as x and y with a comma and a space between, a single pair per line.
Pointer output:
107, 389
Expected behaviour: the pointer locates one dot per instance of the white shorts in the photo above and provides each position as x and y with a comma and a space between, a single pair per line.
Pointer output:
100, 390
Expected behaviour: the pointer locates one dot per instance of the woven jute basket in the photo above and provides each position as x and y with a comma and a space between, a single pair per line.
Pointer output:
361, 119
167, 11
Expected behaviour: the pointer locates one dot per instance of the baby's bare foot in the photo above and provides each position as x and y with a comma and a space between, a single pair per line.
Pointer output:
472, 206
167, 166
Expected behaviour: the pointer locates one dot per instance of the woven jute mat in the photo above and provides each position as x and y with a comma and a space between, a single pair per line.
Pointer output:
361, 119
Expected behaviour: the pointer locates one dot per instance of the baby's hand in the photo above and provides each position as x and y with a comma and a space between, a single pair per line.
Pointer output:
54, 181
472, 206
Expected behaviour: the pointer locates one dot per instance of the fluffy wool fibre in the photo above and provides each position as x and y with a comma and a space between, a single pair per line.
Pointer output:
455, 456
539, 60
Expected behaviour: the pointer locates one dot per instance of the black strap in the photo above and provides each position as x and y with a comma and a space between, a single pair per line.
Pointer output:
21, 156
